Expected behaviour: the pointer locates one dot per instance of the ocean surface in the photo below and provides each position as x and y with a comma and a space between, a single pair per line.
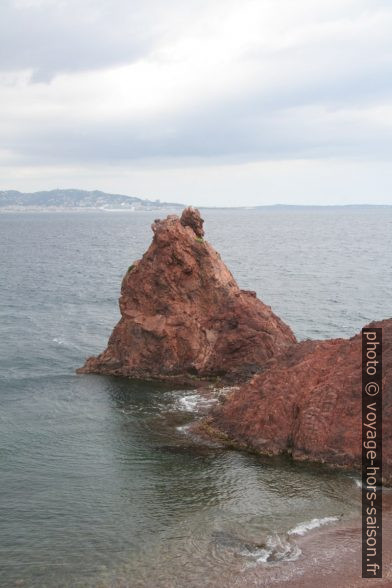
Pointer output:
100, 482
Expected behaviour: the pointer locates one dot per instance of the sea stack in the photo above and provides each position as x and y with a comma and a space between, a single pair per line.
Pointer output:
307, 403
184, 316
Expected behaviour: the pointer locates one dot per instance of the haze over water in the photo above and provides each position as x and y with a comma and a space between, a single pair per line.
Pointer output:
101, 485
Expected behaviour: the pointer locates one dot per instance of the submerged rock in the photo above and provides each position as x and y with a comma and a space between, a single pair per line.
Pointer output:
183, 314
308, 402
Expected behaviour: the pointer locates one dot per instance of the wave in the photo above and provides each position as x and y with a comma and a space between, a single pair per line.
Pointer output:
277, 549
274, 549
194, 402
64, 343
303, 528
184, 428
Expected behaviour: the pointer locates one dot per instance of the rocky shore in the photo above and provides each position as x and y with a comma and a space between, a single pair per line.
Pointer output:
307, 402
184, 318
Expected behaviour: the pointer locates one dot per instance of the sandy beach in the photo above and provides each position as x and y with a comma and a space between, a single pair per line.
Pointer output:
331, 557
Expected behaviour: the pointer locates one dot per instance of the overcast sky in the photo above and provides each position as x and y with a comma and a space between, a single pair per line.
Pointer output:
226, 102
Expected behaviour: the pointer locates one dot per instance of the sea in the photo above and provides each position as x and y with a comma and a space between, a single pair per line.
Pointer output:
101, 482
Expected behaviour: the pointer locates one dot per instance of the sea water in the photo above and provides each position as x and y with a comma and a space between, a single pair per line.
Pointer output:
101, 482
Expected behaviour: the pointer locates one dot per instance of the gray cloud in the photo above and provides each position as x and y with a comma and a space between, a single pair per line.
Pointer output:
211, 133
308, 96
57, 36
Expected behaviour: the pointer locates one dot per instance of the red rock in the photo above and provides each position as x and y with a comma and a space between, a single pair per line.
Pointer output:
182, 313
308, 403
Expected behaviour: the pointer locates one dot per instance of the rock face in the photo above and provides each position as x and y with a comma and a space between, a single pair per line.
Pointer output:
307, 402
182, 313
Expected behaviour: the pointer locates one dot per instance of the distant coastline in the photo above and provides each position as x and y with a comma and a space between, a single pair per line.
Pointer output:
74, 200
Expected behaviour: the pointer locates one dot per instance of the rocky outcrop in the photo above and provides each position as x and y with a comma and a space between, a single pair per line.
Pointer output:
183, 315
307, 402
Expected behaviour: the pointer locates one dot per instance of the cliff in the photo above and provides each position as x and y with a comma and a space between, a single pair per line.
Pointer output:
307, 403
183, 314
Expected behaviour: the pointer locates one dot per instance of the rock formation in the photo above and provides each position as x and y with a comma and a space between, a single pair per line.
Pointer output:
307, 402
183, 315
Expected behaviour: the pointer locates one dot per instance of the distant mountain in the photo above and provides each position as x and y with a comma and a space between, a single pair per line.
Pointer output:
11, 200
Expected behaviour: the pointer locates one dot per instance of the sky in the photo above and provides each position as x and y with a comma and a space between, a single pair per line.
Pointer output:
205, 102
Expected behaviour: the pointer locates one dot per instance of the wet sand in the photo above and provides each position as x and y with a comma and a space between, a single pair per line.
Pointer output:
331, 557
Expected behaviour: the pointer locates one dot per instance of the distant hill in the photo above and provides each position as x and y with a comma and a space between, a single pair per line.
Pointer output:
72, 199
11, 200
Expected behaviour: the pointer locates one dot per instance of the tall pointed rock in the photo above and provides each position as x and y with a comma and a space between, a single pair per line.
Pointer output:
183, 314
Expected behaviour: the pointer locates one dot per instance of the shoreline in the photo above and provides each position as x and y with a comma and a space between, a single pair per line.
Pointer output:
331, 557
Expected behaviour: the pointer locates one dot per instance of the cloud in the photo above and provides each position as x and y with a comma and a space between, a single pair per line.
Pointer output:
113, 82
54, 36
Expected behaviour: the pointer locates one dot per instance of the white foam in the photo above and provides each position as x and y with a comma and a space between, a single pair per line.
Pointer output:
276, 549
189, 403
194, 402
263, 555
183, 428
303, 528
64, 342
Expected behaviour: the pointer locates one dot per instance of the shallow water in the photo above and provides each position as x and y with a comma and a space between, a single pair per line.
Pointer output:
101, 483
